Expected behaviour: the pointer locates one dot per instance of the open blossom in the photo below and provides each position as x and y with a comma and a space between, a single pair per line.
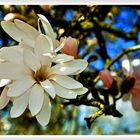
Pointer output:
36, 74
135, 90
70, 46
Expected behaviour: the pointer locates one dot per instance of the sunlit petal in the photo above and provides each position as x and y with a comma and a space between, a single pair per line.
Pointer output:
61, 58
43, 116
11, 54
31, 33
80, 91
126, 66
43, 45
20, 104
63, 92
20, 86
69, 68
36, 99
4, 82
12, 30
31, 60
48, 87
11, 71
66, 81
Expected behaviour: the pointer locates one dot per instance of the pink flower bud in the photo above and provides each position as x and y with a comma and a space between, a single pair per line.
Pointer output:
106, 78
70, 47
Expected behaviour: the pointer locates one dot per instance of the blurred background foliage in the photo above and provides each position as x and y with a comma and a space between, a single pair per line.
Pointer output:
103, 32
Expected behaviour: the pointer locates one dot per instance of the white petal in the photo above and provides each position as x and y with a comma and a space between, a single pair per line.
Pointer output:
36, 99
24, 46
20, 104
43, 116
3, 98
66, 81
46, 25
69, 68
4, 82
48, 87
20, 86
63, 92
11, 71
46, 61
126, 66
31, 33
60, 46
43, 45
31, 60
80, 91
60, 58
11, 54
12, 30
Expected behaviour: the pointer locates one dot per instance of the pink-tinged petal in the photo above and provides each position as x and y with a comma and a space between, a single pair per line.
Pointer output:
106, 78
126, 97
20, 104
48, 87
137, 72
20, 86
4, 82
66, 81
36, 99
64, 92
31, 60
126, 66
70, 47
4, 99
136, 101
43, 117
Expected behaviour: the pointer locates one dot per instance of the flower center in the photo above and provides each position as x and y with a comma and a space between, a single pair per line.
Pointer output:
40, 75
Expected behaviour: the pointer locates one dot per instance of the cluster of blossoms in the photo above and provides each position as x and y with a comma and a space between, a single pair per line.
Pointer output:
38, 68
129, 85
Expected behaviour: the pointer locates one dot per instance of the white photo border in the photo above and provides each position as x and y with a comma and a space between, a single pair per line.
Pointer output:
69, 2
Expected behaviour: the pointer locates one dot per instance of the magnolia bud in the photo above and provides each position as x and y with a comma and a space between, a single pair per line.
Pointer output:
70, 47
106, 78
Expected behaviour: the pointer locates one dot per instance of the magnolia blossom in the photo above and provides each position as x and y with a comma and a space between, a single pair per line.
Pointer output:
36, 71
70, 46
135, 91
35, 78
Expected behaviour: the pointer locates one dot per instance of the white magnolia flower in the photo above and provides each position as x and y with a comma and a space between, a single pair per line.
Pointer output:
34, 78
